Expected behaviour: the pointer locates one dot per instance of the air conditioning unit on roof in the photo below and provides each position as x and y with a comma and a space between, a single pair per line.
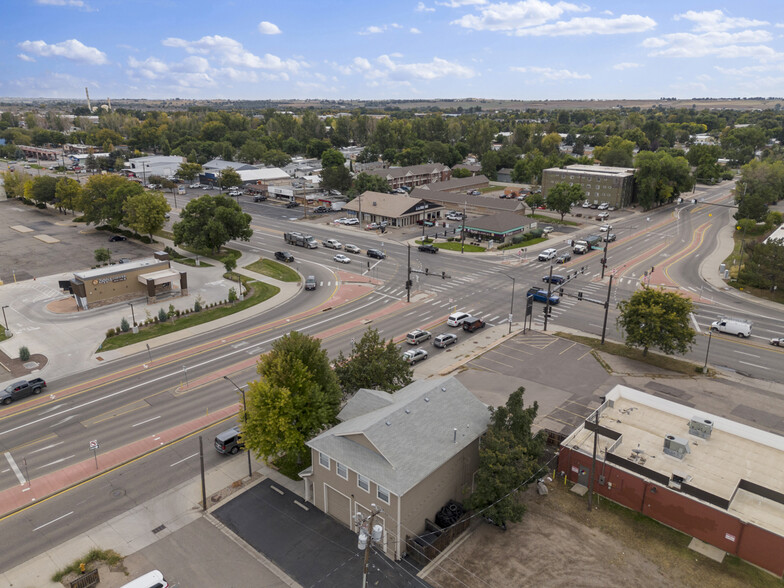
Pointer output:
700, 427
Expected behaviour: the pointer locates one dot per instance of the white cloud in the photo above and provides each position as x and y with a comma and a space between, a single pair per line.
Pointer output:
414, 31
422, 8
25, 57
721, 44
267, 28
751, 70
539, 18
459, 3
550, 74
434, 69
626, 65
373, 30
74, 3
70, 49
716, 20
229, 52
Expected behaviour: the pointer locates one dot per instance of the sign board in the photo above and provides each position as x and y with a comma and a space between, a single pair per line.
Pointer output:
94, 444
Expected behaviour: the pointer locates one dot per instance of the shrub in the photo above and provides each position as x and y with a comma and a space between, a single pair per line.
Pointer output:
124, 326
197, 304
517, 239
24, 353
162, 316
40, 205
232, 295
171, 312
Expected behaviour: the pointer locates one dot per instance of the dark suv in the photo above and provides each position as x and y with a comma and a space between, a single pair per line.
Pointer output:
473, 323
428, 248
229, 441
284, 256
375, 253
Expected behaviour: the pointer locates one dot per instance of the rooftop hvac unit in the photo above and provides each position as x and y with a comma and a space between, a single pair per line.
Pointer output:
700, 427
676, 446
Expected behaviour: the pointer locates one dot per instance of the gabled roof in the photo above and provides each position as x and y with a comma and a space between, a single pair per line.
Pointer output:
457, 199
389, 205
399, 445
498, 223
363, 402
411, 170
221, 164
457, 184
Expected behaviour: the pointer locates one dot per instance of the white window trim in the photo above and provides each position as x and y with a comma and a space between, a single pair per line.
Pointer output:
360, 476
329, 464
378, 494
338, 465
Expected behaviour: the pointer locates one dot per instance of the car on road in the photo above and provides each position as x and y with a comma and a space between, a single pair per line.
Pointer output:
352, 248
414, 355
547, 254
195, 185
205, 187
427, 223
778, 341
310, 283
259, 198
473, 323
320, 209
375, 253
340, 258
455, 216
21, 389
417, 336
563, 258
540, 295
610, 237
230, 441
547, 230
115, 238
292, 204
475, 193
603, 215
428, 248
445, 340
284, 256
605, 228
332, 244
351, 221
554, 279
235, 193
456, 318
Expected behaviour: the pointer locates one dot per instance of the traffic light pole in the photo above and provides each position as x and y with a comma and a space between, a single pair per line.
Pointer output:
547, 302
606, 308
604, 258
408, 276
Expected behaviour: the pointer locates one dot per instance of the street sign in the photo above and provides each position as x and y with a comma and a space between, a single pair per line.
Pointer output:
94, 444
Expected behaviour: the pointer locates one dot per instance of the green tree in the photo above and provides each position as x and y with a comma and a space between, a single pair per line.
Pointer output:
490, 163
102, 255
67, 193
761, 178
188, 171
657, 319
617, 152
145, 213
296, 396
763, 266
562, 195
368, 183
336, 178
229, 178
752, 206
741, 143
103, 196
13, 182
332, 158
660, 177
534, 201
551, 143
209, 222
461, 172
373, 363
276, 158
509, 453
43, 189
316, 147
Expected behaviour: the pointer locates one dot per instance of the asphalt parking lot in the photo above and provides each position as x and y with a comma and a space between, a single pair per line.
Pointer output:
26, 256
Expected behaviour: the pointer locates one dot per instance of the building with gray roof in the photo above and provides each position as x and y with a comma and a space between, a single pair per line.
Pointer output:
409, 453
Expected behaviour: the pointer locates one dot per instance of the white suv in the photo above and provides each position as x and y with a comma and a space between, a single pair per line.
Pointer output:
456, 319
547, 254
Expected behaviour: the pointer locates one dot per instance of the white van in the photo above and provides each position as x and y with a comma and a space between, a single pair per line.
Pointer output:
732, 327
153, 579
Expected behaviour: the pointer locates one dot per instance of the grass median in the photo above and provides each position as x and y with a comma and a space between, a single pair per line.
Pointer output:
273, 269
453, 246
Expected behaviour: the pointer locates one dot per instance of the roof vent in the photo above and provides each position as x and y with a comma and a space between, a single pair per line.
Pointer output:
443, 388
408, 411
427, 399
388, 423
700, 427
676, 446
374, 203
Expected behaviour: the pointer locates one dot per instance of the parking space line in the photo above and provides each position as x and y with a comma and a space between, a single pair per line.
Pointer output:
568, 348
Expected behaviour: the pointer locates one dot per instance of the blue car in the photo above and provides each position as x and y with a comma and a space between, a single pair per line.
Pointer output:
541, 296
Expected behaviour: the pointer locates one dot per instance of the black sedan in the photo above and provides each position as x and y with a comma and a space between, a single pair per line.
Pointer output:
563, 258
114, 238
554, 279
284, 256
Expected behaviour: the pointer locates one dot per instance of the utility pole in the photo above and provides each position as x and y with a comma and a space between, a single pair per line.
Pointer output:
408, 276
604, 259
606, 308
593, 461
462, 231
366, 539
547, 303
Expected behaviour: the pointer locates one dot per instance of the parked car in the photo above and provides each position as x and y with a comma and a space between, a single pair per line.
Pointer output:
586, 204
375, 253
428, 248
414, 355
547, 230
610, 237
115, 238
372, 227
352, 248
332, 244
292, 204
603, 215
427, 223
444, 340
320, 209
554, 279
604, 206
563, 258
351, 221
456, 319
548, 254
230, 441
475, 193
417, 336
310, 283
340, 221
195, 185
473, 323
340, 258
540, 295
259, 198
284, 256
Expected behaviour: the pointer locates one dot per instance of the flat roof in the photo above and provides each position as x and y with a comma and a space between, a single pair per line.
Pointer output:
594, 170
118, 268
734, 452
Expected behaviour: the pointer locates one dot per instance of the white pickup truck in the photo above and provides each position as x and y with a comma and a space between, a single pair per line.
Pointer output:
332, 244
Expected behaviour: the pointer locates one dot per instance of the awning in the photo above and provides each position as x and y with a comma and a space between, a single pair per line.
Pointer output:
159, 277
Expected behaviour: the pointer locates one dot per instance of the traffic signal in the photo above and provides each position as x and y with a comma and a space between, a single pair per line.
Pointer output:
579, 296
368, 264
582, 270
443, 275
560, 290
604, 261
427, 272
653, 268
408, 284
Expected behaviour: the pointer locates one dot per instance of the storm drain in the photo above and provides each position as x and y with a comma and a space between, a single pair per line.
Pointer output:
158, 529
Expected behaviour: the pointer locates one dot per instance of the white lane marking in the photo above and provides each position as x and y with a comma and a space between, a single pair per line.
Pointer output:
762, 367
145, 422
744, 353
175, 373
694, 322
14, 467
595, 325
55, 462
47, 447
183, 459
54, 520
493, 319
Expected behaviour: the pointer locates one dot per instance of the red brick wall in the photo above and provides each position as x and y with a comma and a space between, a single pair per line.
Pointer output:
762, 548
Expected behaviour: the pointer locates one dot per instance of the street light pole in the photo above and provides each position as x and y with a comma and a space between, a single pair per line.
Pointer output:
511, 305
244, 418
5, 320
133, 316
710, 336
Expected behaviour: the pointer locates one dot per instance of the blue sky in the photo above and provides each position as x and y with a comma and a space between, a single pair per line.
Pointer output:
527, 50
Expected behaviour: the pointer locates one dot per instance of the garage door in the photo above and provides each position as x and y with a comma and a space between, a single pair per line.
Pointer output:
338, 506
